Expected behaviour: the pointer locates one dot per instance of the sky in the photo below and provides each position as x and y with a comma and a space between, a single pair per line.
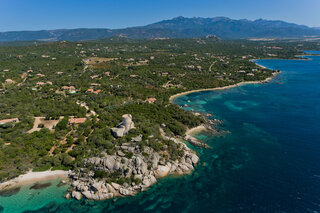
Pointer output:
113, 14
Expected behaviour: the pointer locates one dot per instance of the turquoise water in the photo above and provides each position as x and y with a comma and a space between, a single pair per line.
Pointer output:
32, 199
268, 163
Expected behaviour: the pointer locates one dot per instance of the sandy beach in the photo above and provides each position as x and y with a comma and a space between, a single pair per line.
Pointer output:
222, 88
33, 177
253, 60
195, 130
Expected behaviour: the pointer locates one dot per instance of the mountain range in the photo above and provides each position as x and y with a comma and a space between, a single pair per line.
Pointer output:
179, 27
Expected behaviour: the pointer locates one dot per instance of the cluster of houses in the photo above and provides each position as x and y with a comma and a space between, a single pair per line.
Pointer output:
248, 73
93, 91
137, 62
71, 89
16, 120
193, 67
40, 83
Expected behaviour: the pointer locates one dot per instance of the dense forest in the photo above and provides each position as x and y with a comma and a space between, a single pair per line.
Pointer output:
50, 83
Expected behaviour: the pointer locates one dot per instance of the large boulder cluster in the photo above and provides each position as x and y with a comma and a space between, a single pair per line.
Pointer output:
146, 168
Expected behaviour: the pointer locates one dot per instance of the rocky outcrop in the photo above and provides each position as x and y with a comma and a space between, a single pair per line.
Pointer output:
137, 139
139, 172
124, 127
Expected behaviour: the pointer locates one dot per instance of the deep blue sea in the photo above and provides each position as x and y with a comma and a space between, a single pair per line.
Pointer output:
269, 162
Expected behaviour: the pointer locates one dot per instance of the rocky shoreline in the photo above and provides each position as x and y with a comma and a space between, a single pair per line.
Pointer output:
131, 169
143, 169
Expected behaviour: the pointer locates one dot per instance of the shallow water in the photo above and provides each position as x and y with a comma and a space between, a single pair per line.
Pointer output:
32, 197
268, 163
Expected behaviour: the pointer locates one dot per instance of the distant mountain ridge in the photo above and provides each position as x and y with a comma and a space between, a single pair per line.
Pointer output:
179, 27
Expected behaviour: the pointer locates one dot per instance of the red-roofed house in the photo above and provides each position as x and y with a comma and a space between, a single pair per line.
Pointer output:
9, 81
98, 91
151, 100
90, 90
40, 83
68, 88
11, 120
77, 120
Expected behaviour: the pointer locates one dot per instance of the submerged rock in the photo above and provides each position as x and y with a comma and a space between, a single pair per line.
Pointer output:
40, 185
9, 192
67, 196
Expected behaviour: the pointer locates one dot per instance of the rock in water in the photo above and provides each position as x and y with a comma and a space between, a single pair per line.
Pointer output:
67, 196
76, 195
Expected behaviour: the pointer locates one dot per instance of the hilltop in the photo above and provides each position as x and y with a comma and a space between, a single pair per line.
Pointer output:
179, 27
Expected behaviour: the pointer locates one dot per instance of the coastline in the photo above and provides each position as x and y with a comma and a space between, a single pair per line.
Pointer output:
171, 99
33, 177
196, 130
193, 140
254, 61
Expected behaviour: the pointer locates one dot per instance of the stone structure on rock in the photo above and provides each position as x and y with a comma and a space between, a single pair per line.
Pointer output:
126, 125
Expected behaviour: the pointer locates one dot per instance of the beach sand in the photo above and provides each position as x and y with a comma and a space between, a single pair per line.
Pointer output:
222, 88
196, 130
33, 177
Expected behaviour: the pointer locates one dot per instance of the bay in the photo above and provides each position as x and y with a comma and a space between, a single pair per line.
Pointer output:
269, 162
